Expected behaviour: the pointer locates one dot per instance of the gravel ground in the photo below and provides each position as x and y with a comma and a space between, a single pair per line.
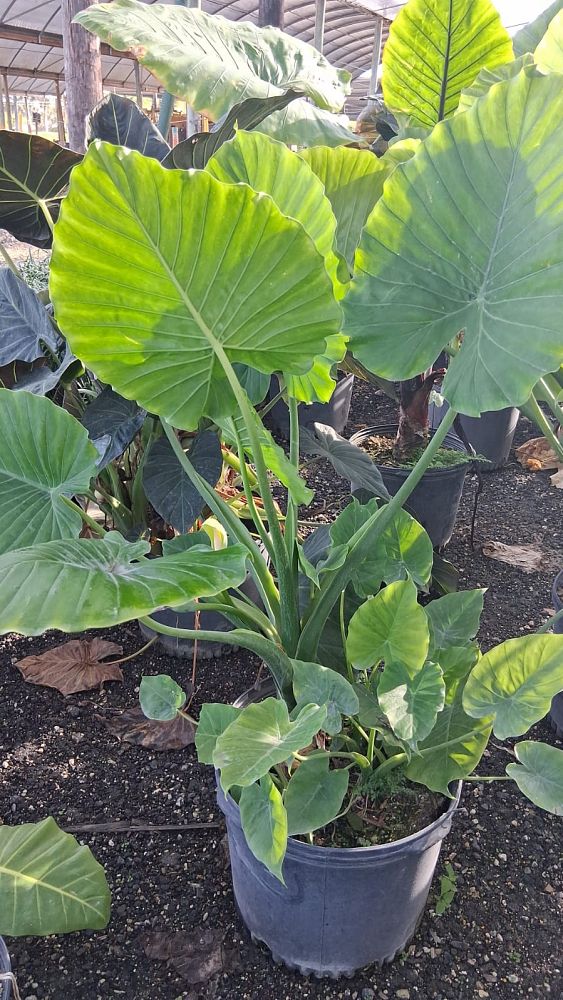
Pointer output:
500, 938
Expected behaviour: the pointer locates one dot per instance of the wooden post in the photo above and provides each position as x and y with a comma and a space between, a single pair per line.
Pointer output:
270, 12
7, 96
83, 72
27, 114
60, 116
2, 116
138, 88
376, 58
320, 13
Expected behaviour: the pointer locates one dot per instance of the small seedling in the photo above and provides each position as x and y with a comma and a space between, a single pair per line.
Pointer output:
448, 889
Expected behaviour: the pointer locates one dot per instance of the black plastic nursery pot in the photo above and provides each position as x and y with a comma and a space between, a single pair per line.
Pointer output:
341, 909
334, 414
5, 967
208, 621
491, 434
556, 710
435, 500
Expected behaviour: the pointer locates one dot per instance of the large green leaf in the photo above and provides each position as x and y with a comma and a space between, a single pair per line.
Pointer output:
456, 663
435, 49
160, 697
49, 884
319, 383
487, 77
262, 736
33, 174
529, 37
149, 290
411, 701
212, 62
454, 618
451, 751
549, 53
314, 684
402, 551
213, 720
169, 489
24, 322
45, 455
78, 584
264, 821
314, 795
467, 237
515, 682
269, 166
304, 124
390, 626
353, 182
539, 774
197, 149
118, 120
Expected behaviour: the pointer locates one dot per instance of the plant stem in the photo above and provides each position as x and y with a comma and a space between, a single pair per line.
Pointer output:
361, 542
535, 412
488, 777
10, 263
279, 771
401, 758
291, 515
342, 623
93, 525
259, 524
552, 401
46, 212
234, 462
124, 659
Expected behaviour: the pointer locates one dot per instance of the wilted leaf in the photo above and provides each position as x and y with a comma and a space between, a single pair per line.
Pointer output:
536, 455
132, 726
74, 666
528, 557
196, 956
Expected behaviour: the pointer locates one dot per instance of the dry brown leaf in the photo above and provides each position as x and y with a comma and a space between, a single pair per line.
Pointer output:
73, 666
527, 557
131, 726
197, 956
557, 479
536, 455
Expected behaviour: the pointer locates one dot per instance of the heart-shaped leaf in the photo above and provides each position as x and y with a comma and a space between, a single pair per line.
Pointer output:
402, 551
390, 626
43, 379
454, 618
487, 77
304, 124
539, 774
169, 488
33, 173
434, 50
456, 663
314, 795
314, 684
353, 182
264, 821
515, 682
49, 883
468, 252
73, 666
132, 726
160, 697
81, 583
451, 751
262, 736
347, 459
529, 37
211, 62
120, 121
226, 271
45, 456
213, 720
411, 701
549, 53
197, 149
24, 322
112, 422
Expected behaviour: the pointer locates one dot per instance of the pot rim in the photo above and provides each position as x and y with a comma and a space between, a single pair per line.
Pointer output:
295, 846
441, 471
557, 584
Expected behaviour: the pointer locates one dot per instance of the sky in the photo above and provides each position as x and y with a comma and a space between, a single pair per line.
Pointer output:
514, 13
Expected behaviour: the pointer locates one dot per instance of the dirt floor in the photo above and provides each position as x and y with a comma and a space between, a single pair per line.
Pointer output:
501, 936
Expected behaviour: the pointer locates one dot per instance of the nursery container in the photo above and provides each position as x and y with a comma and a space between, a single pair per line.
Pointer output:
5, 966
208, 621
335, 413
556, 711
341, 909
435, 500
491, 434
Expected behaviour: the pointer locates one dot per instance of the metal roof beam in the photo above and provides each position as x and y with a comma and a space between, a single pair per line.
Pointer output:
49, 39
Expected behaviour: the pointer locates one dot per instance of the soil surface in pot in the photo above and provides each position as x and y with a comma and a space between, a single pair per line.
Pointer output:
380, 448
499, 939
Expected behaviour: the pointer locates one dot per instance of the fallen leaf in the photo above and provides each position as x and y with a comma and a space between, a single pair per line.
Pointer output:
131, 726
73, 666
527, 557
557, 479
197, 956
536, 455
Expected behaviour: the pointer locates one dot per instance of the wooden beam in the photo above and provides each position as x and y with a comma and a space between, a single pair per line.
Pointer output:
83, 72
60, 116
50, 40
270, 12
138, 88
40, 74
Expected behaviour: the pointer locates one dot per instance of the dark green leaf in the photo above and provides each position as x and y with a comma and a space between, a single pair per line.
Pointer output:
213, 720
120, 121
314, 684
33, 172
347, 459
314, 795
112, 422
169, 489
24, 322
